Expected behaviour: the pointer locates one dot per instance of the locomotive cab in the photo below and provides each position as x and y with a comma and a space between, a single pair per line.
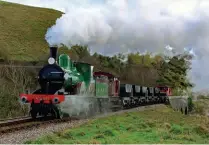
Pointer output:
113, 83
111, 87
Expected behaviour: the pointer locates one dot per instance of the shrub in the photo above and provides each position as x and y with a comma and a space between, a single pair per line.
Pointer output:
14, 81
176, 129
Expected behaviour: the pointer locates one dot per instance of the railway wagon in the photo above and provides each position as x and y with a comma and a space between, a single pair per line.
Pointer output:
73, 88
135, 95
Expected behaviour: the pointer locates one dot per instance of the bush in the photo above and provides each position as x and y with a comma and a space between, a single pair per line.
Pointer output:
176, 129
201, 106
14, 81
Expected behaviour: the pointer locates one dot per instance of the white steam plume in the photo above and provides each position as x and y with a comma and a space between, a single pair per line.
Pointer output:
112, 26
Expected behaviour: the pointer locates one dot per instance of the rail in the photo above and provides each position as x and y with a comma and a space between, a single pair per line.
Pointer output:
3, 120
15, 120
24, 123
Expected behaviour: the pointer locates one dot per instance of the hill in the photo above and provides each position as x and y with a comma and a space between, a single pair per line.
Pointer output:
22, 31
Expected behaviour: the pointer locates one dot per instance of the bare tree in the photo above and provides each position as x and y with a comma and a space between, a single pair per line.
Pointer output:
15, 80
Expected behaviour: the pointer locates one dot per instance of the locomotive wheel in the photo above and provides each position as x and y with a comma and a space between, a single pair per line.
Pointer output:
56, 113
33, 111
44, 111
53, 113
33, 114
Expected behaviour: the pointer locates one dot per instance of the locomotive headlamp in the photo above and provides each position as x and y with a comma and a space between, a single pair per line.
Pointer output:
51, 60
55, 100
24, 99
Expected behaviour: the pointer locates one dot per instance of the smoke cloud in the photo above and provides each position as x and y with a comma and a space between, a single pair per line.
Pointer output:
112, 26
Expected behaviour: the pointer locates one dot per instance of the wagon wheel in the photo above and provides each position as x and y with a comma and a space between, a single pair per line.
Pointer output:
146, 96
167, 100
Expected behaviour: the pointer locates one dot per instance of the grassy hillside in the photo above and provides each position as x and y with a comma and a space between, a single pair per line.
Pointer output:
136, 127
22, 30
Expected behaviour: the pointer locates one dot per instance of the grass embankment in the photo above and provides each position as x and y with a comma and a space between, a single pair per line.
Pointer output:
161, 125
23, 29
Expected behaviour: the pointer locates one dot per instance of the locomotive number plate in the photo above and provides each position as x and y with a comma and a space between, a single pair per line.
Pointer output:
45, 99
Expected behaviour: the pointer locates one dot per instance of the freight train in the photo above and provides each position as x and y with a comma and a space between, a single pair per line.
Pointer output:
80, 89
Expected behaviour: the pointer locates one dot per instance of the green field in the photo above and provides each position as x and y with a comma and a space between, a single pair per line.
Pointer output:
161, 125
23, 29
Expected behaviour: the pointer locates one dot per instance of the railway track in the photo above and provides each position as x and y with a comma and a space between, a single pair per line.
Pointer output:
16, 124
4, 123
27, 122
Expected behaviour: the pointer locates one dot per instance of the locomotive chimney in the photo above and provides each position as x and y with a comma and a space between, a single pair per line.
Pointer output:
53, 52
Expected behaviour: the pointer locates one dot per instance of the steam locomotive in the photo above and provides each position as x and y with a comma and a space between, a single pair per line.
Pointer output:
73, 85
